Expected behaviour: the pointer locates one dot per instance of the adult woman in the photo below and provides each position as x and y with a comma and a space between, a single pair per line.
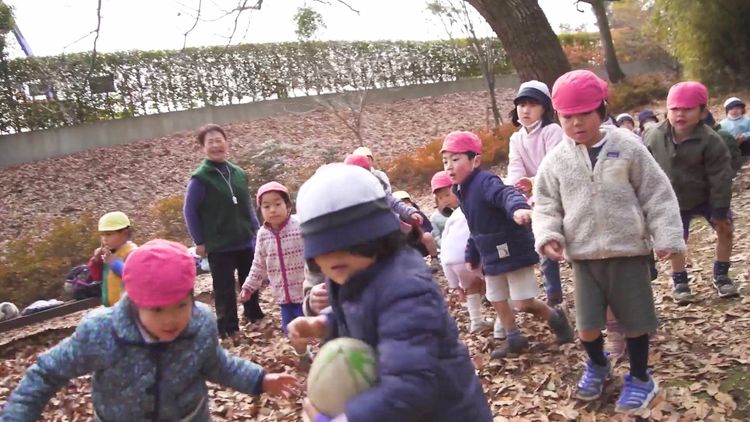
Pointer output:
222, 222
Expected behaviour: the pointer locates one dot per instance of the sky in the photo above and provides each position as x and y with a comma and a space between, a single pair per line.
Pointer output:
53, 27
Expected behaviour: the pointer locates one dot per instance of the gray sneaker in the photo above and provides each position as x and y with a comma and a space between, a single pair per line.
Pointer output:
682, 295
511, 346
561, 326
725, 286
479, 327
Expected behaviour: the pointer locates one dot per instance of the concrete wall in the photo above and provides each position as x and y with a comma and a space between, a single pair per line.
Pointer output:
39, 145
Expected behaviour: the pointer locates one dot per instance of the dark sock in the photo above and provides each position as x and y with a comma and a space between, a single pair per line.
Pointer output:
595, 350
638, 352
680, 277
721, 268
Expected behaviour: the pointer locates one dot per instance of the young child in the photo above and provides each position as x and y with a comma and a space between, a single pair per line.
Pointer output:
445, 203
729, 140
737, 123
382, 294
538, 135
380, 174
600, 199
151, 354
108, 260
419, 235
698, 163
498, 216
646, 120
625, 121
279, 256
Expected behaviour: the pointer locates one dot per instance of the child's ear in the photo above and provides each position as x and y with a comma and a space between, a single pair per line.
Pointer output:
477, 161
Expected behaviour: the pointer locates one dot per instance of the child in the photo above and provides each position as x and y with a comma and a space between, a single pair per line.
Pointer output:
380, 174
600, 199
278, 256
646, 120
151, 353
737, 123
382, 294
698, 163
626, 121
497, 215
445, 203
536, 138
419, 235
729, 140
108, 260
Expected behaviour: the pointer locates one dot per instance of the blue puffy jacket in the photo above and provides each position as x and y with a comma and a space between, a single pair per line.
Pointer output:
134, 380
501, 244
424, 372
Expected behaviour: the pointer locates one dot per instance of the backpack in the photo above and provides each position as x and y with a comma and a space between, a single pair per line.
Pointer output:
80, 285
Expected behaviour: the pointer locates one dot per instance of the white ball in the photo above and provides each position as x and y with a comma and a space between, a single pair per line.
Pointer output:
343, 368
8, 311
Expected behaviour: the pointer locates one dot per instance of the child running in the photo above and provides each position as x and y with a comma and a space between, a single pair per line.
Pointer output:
108, 260
279, 257
698, 164
600, 200
538, 135
150, 354
498, 216
382, 293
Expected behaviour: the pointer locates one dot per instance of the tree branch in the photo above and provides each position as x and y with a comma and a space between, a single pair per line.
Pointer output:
96, 39
197, 18
342, 2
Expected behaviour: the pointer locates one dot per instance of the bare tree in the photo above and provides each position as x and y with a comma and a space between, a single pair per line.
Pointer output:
614, 71
349, 107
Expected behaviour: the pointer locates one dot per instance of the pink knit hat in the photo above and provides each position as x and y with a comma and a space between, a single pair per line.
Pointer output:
579, 91
159, 273
460, 142
272, 187
688, 94
358, 160
440, 180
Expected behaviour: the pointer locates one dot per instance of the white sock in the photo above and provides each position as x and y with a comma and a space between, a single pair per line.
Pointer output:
474, 306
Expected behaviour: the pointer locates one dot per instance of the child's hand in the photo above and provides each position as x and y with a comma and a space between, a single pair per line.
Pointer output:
417, 218
200, 250
470, 267
309, 412
318, 298
281, 385
524, 185
98, 253
245, 295
553, 250
663, 255
307, 328
107, 255
522, 217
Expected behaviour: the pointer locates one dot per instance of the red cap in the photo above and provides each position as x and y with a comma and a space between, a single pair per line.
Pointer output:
688, 94
579, 91
159, 273
358, 160
440, 180
460, 142
271, 187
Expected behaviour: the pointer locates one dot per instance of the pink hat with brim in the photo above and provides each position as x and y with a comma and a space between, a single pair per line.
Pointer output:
460, 142
440, 180
358, 160
688, 94
579, 91
271, 187
159, 273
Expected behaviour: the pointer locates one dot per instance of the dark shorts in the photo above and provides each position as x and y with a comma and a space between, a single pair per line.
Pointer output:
699, 211
290, 311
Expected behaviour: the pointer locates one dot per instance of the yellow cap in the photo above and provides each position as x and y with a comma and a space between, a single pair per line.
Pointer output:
113, 221
363, 151
402, 195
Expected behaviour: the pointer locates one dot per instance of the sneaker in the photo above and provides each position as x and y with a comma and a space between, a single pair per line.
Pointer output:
561, 326
636, 394
615, 345
592, 381
554, 299
512, 346
725, 286
498, 330
481, 326
681, 294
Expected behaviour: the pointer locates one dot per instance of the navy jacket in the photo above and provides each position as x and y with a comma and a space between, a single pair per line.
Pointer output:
424, 371
489, 204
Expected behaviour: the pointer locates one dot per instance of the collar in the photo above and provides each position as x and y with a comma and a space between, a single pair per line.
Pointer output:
602, 141
735, 118
359, 281
126, 327
281, 227
534, 127
697, 133
468, 179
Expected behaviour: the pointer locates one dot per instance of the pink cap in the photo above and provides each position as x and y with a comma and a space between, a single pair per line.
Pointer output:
440, 180
358, 160
688, 94
271, 187
159, 273
579, 91
459, 142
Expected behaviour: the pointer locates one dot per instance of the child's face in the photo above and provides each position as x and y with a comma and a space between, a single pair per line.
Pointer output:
274, 208
627, 124
459, 166
114, 240
167, 322
339, 266
736, 112
445, 198
529, 111
583, 128
215, 146
684, 120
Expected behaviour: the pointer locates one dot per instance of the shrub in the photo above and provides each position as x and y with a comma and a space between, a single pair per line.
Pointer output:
167, 214
34, 267
636, 91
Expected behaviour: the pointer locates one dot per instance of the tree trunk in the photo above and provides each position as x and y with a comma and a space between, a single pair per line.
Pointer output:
527, 37
614, 71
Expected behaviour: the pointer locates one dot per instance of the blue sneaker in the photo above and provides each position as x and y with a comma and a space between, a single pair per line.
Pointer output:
592, 381
636, 394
